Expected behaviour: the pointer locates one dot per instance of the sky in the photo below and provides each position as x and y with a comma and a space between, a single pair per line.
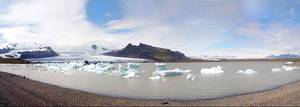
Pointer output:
242, 28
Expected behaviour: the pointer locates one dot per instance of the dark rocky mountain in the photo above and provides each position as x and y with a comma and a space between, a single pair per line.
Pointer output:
285, 56
149, 52
42, 52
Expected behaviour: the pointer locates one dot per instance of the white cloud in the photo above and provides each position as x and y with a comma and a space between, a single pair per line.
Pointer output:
57, 22
278, 38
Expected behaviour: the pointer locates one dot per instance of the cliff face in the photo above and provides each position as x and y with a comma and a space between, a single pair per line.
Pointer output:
149, 52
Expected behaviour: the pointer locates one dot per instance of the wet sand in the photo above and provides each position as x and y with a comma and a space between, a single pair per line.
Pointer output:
21, 91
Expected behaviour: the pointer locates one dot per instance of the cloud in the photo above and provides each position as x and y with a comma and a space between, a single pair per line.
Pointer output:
277, 37
57, 22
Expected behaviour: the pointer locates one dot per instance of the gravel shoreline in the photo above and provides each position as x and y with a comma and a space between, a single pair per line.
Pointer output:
21, 91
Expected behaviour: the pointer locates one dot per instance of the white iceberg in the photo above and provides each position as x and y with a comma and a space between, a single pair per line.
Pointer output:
247, 71
131, 71
289, 63
213, 70
289, 68
131, 75
161, 70
190, 77
277, 69
284, 68
155, 78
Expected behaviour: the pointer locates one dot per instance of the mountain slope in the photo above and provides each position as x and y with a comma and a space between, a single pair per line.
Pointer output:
149, 52
285, 56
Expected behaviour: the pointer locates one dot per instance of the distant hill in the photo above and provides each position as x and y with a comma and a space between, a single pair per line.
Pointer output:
149, 52
285, 56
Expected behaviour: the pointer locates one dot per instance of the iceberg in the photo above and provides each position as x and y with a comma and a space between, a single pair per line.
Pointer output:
247, 71
289, 68
131, 75
289, 63
161, 70
284, 68
155, 78
190, 77
213, 70
130, 71
277, 69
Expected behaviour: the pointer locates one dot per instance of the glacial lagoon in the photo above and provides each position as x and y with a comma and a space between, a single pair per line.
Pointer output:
205, 85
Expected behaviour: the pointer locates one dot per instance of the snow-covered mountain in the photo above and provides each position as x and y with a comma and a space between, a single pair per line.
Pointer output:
7, 47
284, 56
92, 49
11, 50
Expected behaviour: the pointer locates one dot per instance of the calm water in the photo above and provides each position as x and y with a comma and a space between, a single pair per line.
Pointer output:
205, 86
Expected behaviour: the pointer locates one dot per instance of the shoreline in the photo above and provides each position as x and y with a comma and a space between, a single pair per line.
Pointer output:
21, 91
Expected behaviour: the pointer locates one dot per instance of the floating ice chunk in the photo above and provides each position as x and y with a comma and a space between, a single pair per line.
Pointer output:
289, 68
134, 67
166, 73
247, 71
213, 70
123, 70
155, 78
277, 69
131, 75
289, 63
161, 67
88, 68
190, 77
284, 68
161, 70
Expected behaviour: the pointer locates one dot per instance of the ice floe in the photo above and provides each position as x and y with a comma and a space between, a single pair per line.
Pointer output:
131, 75
247, 71
131, 71
213, 70
285, 68
289, 63
161, 70
190, 77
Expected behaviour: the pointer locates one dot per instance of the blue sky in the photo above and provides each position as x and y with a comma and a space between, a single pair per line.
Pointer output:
245, 28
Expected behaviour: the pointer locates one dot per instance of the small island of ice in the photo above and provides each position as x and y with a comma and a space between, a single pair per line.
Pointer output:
247, 71
285, 68
213, 70
161, 70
